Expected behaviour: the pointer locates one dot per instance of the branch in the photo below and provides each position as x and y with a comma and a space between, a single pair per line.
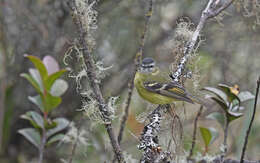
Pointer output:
251, 122
195, 132
220, 9
92, 76
210, 11
149, 141
131, 83
138, 59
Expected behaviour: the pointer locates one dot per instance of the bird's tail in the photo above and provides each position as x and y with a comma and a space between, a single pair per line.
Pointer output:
198, 100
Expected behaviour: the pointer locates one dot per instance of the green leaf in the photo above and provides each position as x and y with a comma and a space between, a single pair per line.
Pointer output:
206, 136
50, 102
29, 118
231, 96
55, 138
39, 66
37, 77
214, 134
218, 93
35, 119
53, 77
222, 104
62, 123
244, 96
233, 116
218, 117
32, 81
37, 101
32, 136
59, 87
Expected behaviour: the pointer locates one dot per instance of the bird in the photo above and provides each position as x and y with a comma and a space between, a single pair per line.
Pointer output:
158, 90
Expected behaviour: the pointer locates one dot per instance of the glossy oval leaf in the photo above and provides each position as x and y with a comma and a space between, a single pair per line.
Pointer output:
245, 96
35, 119
37, 77
32, 81
222, 104
233, 116
214, 134
53, 77
51, 64
32, 136
218, 117
206, 136
55, 138
29, 118
50, 102
219, 93
62, 123
37, 100
39, 66
59, 87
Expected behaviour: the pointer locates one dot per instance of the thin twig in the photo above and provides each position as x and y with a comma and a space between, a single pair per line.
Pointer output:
131, 83
91, 73
251, 122
138, 59
126, 112
223, 7
195, 132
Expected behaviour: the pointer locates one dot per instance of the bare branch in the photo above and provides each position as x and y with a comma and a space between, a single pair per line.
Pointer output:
149, 141
138, 58
131, 83
220, 9
251, 122
83, 34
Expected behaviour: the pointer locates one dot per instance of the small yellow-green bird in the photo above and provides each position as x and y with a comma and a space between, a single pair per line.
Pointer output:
151, 88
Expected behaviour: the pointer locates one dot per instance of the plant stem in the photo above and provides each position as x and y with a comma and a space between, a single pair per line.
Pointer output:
42, 146
195, 132
225, 136
250, 124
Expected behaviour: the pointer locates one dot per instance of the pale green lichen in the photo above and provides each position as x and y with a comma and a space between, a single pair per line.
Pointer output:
88, 18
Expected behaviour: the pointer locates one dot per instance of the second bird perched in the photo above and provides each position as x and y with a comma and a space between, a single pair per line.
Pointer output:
150, 87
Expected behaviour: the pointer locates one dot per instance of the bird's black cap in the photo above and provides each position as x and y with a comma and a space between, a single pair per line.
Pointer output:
148, 61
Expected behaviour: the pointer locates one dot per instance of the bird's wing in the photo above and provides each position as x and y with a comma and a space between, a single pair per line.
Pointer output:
168, 89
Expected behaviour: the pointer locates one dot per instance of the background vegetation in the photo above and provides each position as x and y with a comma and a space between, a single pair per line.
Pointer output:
229, 53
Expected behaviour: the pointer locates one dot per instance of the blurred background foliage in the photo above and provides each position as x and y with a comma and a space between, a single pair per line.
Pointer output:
229, 53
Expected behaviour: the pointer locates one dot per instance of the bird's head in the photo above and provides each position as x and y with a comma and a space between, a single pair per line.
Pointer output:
148, 66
